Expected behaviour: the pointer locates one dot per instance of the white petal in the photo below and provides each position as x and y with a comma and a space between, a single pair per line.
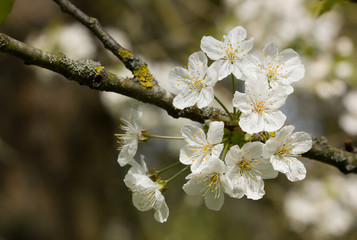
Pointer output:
143, 166
287, 88
297, 170
302, 142
212, 76
236, 35
136, 119
288, 54
270, 148
227, 185
127, 153
137, 169
212, 47
215, 132
225, 69
293, 168
254, 150
193, 135
239, 185
255, 188
200, 162
141, 203
214, 203
276, 97
177, 79
236, 70
233, 154
197, 61
185, 99
242, 102
247, 46
197, 159
187, 155
216, 150
145, 182
273, 120
130, 180
161, 210
192, 187
257, 87
250, 67
271, 49
292, 75
251, 122
205, 97
285, 132
215, 165
266, 169
279, 164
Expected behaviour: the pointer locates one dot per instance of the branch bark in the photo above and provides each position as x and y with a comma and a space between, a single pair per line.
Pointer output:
93, 75
321, 151
142, 86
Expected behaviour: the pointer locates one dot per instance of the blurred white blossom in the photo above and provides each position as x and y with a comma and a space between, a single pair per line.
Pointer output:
73, 40
330, 89
348, 121
328, 206
344, 69
344, 46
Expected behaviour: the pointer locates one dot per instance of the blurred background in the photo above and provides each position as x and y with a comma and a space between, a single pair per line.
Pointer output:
59, 177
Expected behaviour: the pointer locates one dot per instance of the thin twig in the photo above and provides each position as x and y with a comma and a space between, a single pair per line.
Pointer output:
131, 62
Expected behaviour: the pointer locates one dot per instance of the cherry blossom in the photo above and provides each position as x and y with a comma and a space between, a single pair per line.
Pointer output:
259, 106
146, 193
200, 147
246, 169
193, 84
210, 183
277, 68
229, 53
130, 138
283, 149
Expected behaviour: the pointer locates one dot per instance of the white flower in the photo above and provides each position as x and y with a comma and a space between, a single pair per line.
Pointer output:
210, 183
283, 149
246, 169
193, 84
229, 53
200, 147
130, 138
259, 106
277, 68
146, 193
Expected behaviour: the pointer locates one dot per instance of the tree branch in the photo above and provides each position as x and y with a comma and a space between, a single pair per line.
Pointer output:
93, 75
142, 86
131, 62
321, 151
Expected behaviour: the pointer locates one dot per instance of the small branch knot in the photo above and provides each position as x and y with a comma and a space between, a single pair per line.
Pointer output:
97, 81
349, 146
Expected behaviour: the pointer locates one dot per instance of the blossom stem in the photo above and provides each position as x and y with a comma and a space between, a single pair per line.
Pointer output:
225, 150
224, 107
237, 115
177, 174
233, 90
168, 168
164, 137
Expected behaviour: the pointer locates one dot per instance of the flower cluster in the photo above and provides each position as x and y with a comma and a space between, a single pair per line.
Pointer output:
234, 152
